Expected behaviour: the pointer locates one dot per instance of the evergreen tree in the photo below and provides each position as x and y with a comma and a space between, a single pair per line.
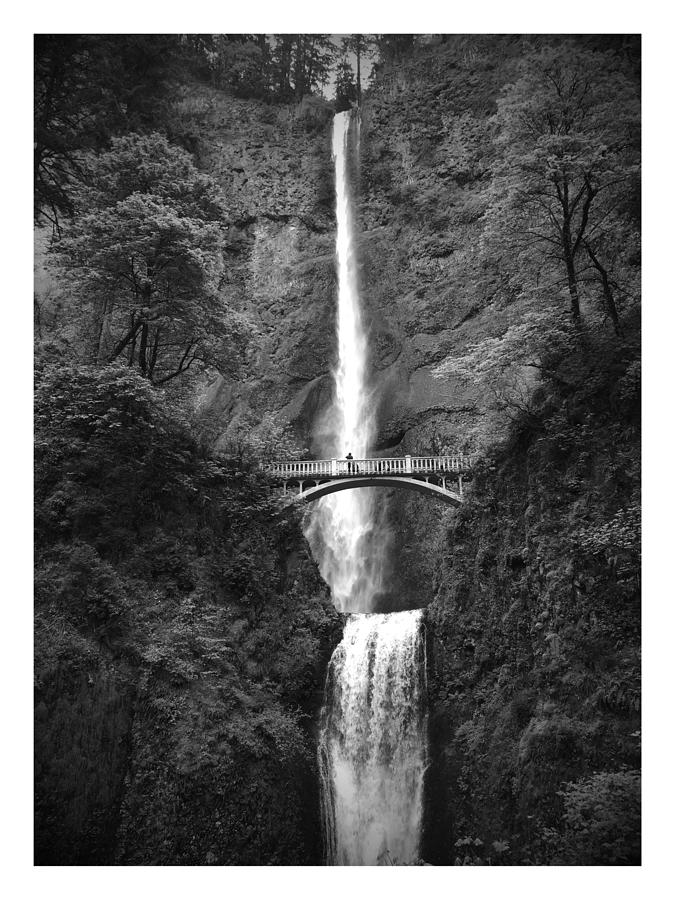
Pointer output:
87, 88
358, 44
300, 64
346, 92
393, 47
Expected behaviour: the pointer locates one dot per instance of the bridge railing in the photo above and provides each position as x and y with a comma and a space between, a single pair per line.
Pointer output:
297, 468
426, 464
383, 465
371, 466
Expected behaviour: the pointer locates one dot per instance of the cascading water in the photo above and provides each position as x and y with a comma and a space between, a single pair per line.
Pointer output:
341, 527
372, 750
372, 746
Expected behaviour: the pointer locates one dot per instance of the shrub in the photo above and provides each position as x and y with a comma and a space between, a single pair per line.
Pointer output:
602, 820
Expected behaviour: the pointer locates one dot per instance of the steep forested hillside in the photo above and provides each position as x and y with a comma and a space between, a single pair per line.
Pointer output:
182, 634
499, 200
535, 636
184, 332
182, 630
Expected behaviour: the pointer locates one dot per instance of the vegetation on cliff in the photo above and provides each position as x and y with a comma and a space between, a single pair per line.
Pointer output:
182, 633
182, 630
500, 203
535, 630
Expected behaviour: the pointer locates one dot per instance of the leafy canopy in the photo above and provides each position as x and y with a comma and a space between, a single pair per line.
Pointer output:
145, 260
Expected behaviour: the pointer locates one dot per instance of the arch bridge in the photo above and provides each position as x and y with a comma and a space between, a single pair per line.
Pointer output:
442, 477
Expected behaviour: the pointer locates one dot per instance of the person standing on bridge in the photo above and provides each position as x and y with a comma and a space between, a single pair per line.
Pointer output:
349, 459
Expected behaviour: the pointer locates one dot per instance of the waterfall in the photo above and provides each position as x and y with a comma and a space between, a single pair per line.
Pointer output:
341, 531
372, 750
372, 745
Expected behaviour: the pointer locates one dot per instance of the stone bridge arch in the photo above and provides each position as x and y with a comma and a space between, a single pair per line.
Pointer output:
437, 476
424, 487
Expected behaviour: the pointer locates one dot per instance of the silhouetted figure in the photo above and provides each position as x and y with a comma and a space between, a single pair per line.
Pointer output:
349, 459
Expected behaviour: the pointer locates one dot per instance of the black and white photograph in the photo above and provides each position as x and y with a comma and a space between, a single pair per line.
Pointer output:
337, 450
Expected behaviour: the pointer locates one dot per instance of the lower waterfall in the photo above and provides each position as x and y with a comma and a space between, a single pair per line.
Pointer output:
373, 742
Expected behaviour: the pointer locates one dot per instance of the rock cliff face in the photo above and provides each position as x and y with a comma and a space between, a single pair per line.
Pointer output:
275, 169
418, 186
418, 213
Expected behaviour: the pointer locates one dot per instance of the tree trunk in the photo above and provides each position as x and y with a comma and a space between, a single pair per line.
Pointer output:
299, 74
105, 315
568, 250
606, 289
143, 349
132, 345
129, 336
358, 74
153, 354
573, 289
99, 337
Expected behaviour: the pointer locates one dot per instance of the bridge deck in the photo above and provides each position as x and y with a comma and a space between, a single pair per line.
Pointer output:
349, 468
437, 475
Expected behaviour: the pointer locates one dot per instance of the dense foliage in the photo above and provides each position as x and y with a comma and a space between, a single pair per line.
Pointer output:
87, 88
565, 191
500, 198
144, 261
182, 632
91, 87
536, 634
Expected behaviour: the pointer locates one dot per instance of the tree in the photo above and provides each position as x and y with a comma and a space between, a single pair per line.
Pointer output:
239, 62
145, 261
393, 47
345, 90
63, 121
281, 64
300, 64
250, 440
601, 820
318, 54
358, 44
567, 162
88, 87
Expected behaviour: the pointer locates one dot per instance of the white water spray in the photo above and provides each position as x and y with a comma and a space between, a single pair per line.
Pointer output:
341, 527
372, 752
372, 747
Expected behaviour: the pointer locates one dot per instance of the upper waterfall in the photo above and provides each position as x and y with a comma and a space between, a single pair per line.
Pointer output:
353, 420
341, 527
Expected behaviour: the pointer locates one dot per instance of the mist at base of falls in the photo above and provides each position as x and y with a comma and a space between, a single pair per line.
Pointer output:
349, 538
